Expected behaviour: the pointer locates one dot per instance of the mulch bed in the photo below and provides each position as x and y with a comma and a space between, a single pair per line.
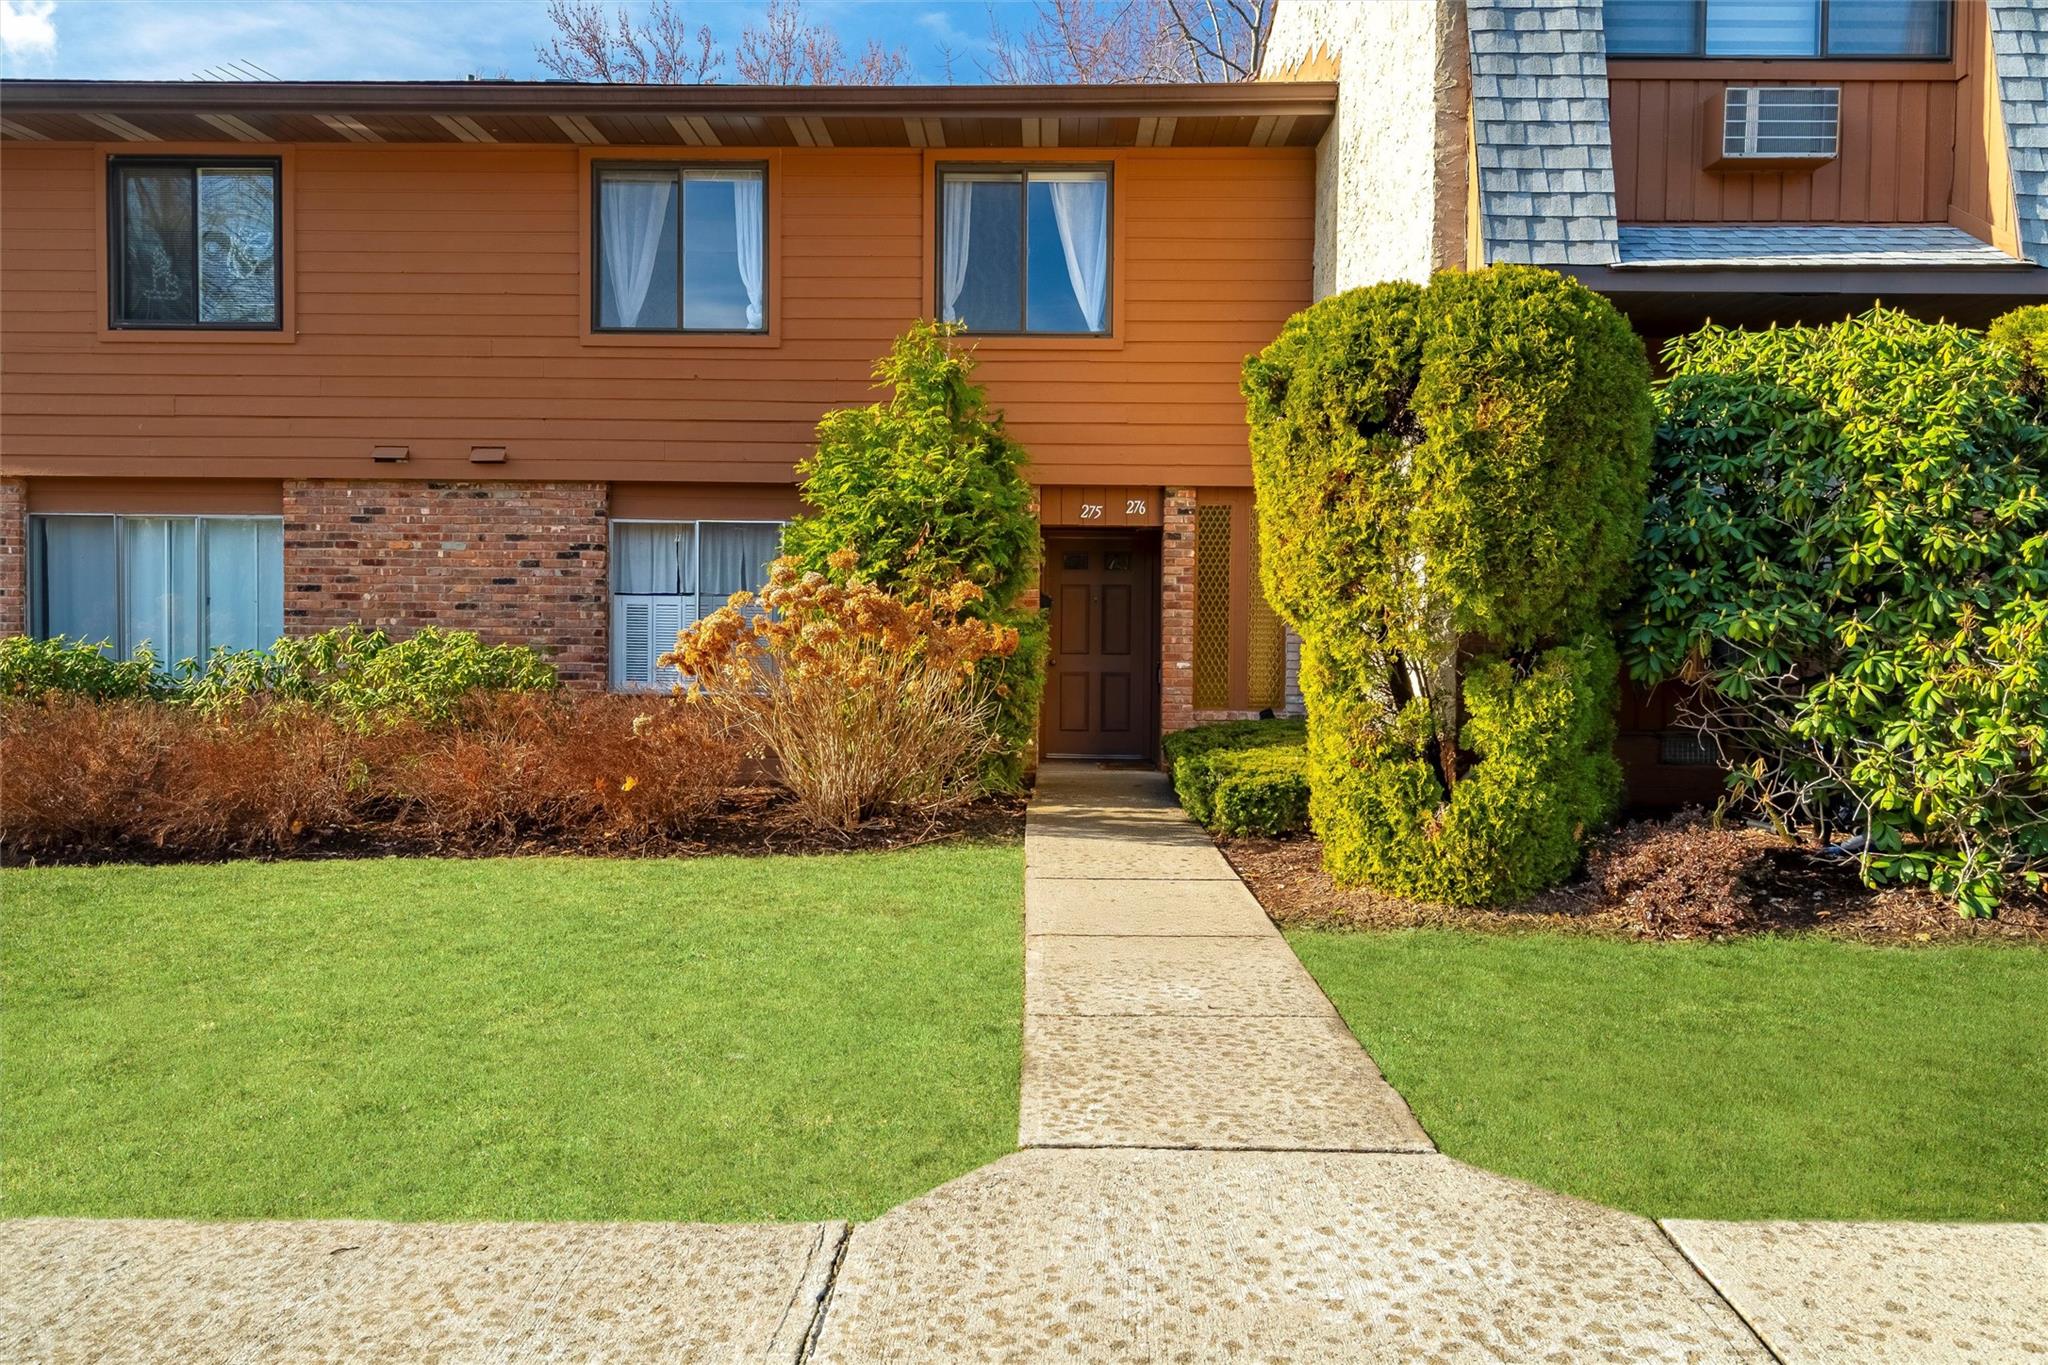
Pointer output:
754, 822
1782, 888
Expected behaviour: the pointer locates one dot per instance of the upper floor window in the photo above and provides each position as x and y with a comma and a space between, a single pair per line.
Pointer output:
679, 248
184, 586
194, 243
1025, 250
1778, 28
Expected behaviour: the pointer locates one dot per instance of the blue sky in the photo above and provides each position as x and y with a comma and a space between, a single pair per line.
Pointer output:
417, 39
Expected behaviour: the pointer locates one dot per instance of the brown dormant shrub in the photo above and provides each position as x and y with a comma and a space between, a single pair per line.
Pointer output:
526, 766
869, 703
1686, 878
136, 776
84, 779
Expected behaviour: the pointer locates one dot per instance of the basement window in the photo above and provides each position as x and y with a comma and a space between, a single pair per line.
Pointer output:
194, 244
183, 586
667, 576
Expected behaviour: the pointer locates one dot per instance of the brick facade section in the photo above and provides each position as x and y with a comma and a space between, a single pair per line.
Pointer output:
13, 557
1177, 611
518, 563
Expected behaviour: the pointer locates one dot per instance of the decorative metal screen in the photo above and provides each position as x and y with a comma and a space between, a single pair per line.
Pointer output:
1687, 748
1212, 606
1268, 641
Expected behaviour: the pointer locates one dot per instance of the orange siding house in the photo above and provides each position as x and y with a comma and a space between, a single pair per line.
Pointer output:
539, 360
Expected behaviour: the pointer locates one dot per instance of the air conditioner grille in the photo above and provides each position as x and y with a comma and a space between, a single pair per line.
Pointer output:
1781, 121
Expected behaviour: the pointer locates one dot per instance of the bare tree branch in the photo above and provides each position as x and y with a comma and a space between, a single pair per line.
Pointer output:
659, 50
1126, 41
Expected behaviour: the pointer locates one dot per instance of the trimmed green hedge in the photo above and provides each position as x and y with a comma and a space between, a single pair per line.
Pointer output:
1243, 777
1450, 486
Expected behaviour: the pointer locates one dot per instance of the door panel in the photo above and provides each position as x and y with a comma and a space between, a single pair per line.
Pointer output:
1102, 694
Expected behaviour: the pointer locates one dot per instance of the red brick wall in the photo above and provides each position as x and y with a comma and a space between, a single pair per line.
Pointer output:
13, 557
1177, 611
518, 563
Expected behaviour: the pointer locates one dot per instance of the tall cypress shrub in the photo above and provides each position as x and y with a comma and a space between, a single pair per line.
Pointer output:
928, 488
1450, 483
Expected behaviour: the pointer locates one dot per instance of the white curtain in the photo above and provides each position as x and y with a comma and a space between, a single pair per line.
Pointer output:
74, 578
746, 218
244, 583
959, 216
1080, 205
653, 557
734, 557
160, 586
633, 211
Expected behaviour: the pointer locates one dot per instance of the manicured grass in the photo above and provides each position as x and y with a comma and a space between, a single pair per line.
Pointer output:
712, 1039
1775, 1078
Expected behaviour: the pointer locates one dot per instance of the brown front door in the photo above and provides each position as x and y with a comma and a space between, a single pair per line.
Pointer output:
1101, 695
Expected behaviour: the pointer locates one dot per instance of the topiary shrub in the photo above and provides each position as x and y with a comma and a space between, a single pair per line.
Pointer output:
1450, 484
1264, 753
927, 489
1848, 554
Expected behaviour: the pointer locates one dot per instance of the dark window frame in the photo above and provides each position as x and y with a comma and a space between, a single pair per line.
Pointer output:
1025, 168
117, 240
1697, 50
599, 169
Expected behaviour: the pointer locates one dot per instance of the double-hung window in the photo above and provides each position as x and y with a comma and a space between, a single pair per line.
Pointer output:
1778, 28
1025, 250
668, 575
184, 586
194, 244
679, 249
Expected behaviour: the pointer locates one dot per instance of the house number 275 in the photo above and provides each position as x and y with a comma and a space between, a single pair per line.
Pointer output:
1091, 511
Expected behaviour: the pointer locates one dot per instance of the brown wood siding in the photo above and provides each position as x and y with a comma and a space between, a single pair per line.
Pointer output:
439, 305
1897, 163
1983, 203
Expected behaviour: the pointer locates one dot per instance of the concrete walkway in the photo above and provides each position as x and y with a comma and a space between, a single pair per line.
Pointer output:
1274, 1199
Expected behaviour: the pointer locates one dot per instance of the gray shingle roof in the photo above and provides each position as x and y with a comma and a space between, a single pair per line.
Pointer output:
2019, 50
1539, 126
1798, 246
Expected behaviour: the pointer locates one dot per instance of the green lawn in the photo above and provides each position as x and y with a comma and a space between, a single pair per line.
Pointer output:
715, 1039
1774, 1078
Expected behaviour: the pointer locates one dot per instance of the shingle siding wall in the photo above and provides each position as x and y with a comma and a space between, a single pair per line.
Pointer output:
2019, 49
1539, 120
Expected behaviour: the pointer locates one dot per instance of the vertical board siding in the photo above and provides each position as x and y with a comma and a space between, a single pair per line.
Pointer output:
439, 305
1898, 161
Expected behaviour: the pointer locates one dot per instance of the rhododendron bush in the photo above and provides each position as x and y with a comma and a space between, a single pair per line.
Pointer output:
870, 703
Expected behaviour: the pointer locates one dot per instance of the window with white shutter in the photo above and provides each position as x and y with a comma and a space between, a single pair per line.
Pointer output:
668, 575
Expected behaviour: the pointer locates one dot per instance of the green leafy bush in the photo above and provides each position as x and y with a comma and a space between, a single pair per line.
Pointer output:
1197, 760
363, 676
33, 669
2024, 332
927, 489
1450, 484
1848, 552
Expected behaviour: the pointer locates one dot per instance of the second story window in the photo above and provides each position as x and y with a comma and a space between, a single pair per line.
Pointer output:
1025, 250
1853, 29
194, 244
679, 249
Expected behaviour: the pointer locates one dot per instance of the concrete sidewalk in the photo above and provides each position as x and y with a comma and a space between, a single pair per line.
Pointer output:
118, 1290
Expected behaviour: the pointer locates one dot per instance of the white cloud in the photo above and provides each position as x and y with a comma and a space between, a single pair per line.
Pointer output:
28, 28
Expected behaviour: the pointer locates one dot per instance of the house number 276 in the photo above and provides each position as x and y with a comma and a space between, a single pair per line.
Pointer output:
1134, 507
